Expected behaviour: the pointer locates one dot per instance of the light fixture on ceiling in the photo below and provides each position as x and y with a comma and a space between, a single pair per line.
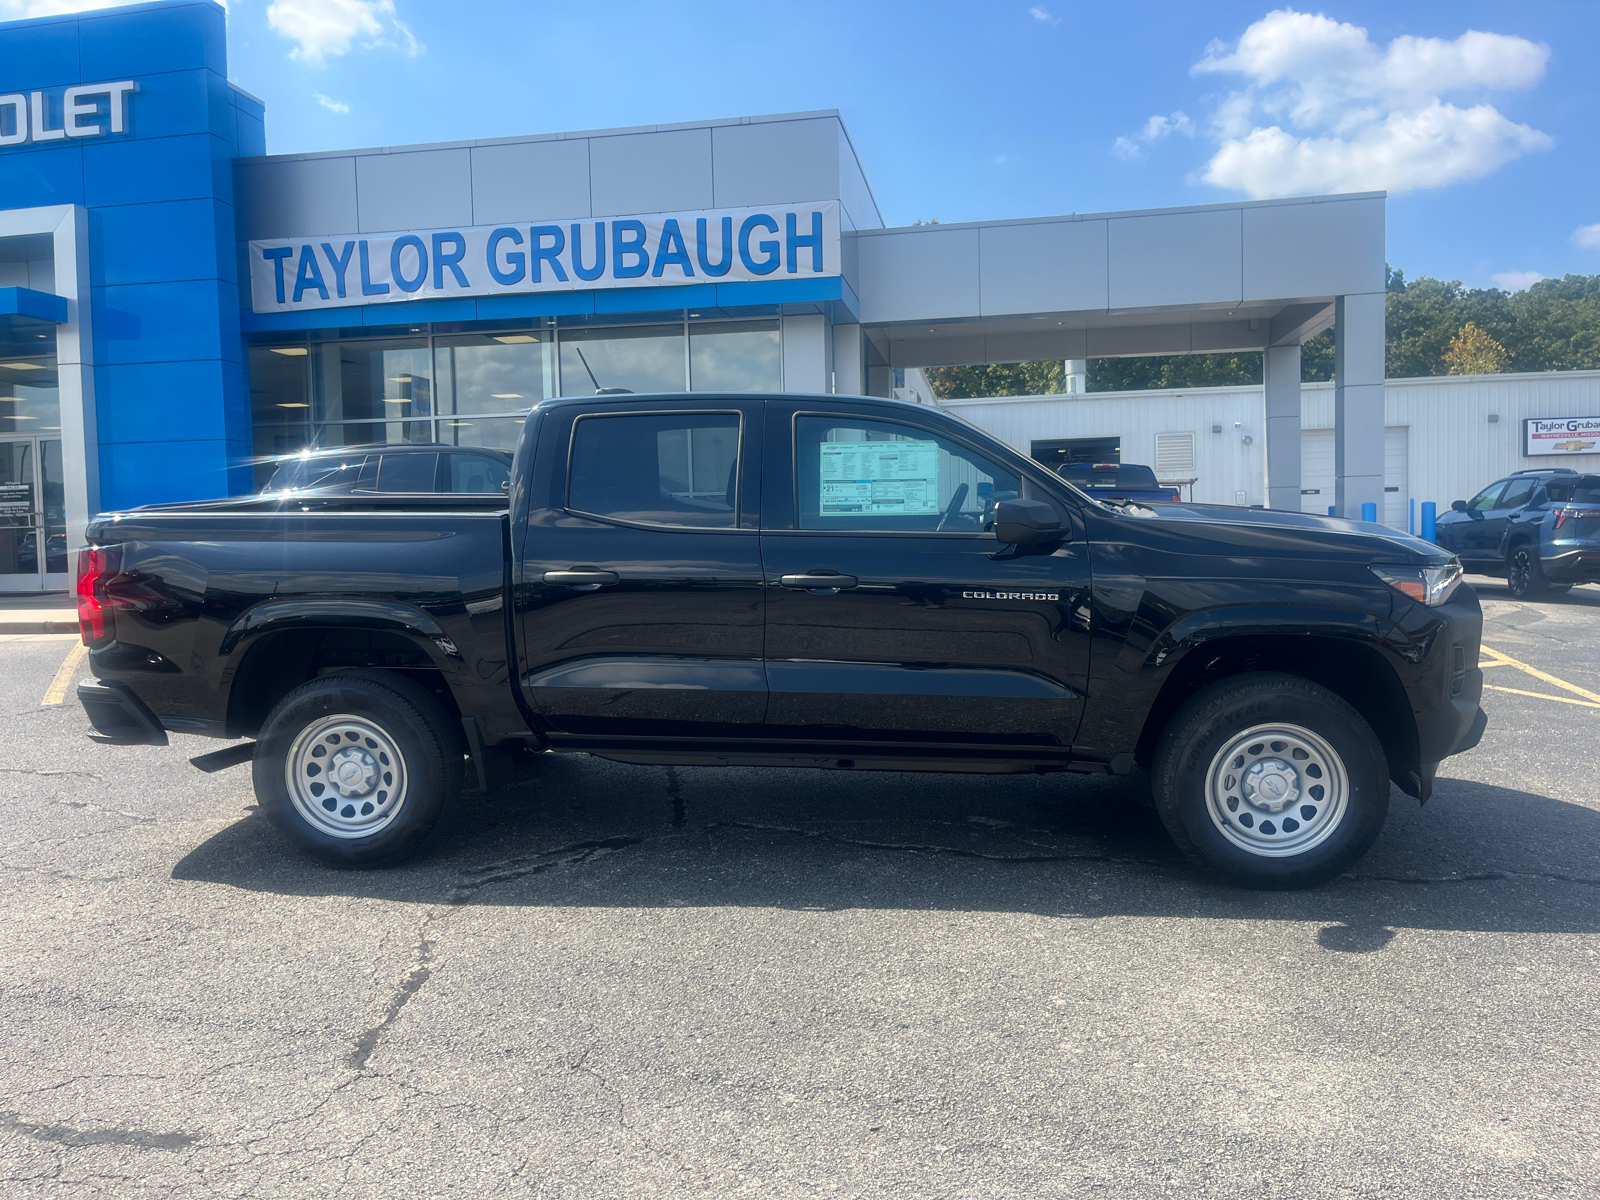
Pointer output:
513, 339
506, 396
290, 351
24, 366
403, 378
294, 406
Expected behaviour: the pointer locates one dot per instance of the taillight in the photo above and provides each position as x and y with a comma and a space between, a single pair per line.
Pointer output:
1561, 517
92, 571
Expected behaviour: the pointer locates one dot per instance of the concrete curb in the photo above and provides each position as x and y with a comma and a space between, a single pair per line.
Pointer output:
39, 623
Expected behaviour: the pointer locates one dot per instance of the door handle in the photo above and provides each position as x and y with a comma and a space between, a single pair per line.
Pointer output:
820, 584
583, 579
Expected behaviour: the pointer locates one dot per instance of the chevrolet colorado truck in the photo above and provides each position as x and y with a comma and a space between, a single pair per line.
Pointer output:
789, 581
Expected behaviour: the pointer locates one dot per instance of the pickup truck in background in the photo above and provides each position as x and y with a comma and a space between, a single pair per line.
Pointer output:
795, 581
1128, 482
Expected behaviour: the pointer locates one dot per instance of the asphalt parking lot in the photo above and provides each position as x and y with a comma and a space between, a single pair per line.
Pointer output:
632, 981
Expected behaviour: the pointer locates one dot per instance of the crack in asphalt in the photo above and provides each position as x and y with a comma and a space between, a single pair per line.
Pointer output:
577, 853
36, 771
66, 1135
934, 848
421, 970
1482, 877
680, 811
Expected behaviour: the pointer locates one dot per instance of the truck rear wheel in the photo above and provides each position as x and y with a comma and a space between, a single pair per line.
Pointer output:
1271, 780
356, 769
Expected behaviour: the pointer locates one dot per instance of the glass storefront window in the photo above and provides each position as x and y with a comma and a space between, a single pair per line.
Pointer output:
735, 356
642, 358
29, 399
373, 381
493, 433
482, 373
371, 433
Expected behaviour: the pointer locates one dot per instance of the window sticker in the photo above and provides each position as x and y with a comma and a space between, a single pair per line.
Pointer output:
863, 478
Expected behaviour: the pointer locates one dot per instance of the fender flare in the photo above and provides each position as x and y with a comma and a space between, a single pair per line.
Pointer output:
336, 612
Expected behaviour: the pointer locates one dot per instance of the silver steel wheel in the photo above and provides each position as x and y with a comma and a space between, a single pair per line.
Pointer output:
346, 776
1277, 790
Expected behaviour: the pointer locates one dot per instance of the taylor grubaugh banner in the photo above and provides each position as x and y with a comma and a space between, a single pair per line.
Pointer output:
719, 246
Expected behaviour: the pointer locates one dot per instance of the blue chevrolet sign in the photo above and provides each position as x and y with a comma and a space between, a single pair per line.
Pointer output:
720, 245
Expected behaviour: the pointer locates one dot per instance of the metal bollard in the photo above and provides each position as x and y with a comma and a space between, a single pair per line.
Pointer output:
1333, 510
1411, 516
1369, 512
1430, 515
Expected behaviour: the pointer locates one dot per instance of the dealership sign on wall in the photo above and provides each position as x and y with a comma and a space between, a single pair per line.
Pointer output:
796, 241
85, 111
1561, 435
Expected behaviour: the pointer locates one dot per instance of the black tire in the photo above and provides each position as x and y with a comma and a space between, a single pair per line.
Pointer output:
1525, 574
386, 728
1316, 731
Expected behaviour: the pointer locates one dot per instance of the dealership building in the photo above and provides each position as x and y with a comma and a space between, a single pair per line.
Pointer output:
177, 306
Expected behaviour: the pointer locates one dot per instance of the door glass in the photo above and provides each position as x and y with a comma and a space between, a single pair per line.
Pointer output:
19, 541
735, 356
1484, 500
1516, 493
888, 477
474, 475
407, 472
52, 507
656, 468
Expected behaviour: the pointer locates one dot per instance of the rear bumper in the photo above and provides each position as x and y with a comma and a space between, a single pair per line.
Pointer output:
119, 717
1573, 566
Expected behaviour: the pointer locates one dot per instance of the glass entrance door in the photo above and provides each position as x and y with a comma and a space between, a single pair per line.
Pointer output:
33, 526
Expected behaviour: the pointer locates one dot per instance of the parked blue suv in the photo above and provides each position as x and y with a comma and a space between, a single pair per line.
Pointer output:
1539, 529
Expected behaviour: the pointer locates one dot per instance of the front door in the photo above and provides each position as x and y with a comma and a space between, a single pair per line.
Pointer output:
641, 600
33, 526
934, 636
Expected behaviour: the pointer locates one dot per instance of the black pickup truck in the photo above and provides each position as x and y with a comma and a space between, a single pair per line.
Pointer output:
788, 580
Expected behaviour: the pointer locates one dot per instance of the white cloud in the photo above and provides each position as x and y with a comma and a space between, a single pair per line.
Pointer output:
324, 29
1325, 109
1587, 237
1043, 15
1516, 281
333, 106
1153, 130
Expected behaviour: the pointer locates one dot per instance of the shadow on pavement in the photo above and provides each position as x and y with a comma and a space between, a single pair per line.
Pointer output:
580, 832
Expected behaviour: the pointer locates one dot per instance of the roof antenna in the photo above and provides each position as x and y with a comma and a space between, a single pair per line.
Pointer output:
598, 390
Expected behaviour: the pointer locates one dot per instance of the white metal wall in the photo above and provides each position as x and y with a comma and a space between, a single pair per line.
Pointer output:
1441, 444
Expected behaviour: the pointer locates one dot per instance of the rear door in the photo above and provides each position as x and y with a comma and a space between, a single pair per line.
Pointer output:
641, 611
920, 629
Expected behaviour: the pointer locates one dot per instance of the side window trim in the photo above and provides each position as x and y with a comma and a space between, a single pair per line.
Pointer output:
885, 419
739, 464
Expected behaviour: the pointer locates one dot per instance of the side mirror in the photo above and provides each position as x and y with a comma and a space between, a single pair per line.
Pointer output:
1027, 522
1458, 506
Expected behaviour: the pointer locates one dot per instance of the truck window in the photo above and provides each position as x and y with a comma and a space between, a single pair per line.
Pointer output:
407, 472
1485, 499
1516, 493
889, 477
475, 474
674, 469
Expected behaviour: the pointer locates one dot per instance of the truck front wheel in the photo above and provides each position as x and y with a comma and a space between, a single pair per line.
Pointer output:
356, 769
1271, 780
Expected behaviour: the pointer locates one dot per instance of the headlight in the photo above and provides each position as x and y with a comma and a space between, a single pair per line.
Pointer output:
1426, 585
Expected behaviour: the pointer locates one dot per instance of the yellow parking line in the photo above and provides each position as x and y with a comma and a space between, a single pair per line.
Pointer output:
1501, 659
57, 692
1541, 696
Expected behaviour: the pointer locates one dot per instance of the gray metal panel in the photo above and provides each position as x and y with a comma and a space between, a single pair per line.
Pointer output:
294, 198
530, 181
1210, 337
860, 209
936, 351
1034, 347
919, 274
775, 162
427, 189
650, 172
1057, 266
1175, 258
1329, 248
1134, 340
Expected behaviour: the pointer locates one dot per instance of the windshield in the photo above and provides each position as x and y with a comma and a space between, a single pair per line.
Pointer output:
1127, 477
331, 471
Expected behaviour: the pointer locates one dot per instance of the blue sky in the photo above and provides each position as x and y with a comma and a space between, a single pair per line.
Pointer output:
1486, 141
